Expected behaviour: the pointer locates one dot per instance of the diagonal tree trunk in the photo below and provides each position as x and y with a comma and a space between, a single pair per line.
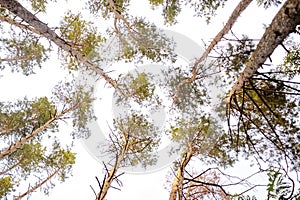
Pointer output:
109, 179
38, 185
38, 26
11, 167
34, 133
177, 189
285, 22
112, 173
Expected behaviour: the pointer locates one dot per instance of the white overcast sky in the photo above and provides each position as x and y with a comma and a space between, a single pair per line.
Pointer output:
136, 187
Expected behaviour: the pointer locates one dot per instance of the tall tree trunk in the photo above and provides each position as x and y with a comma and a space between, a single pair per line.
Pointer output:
177, 189
38, 26
112, 173
109, 179
285, 22
34, 133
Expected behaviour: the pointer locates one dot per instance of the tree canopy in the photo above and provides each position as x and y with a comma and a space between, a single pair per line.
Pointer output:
255, 119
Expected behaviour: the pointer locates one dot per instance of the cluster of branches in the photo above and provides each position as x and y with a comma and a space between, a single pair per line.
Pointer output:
262, 105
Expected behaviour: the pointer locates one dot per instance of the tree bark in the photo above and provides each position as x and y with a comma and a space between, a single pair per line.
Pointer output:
177, 189
112, 173
110, 178
285, 22
38, 26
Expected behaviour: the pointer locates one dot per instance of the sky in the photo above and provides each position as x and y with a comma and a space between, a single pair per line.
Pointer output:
135, 186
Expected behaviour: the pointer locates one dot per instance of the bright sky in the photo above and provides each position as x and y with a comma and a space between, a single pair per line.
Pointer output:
148, 186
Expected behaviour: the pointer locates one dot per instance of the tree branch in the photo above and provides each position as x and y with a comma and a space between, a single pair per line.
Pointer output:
16, 8
232, 19
285, 22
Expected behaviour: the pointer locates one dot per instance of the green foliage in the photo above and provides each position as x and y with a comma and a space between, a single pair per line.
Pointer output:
6, 186
144, 40
136, 37
171, 11
278, 187
269, 3
138, 138
206, 138
43, 109
193, 130
33, 161
137, 86
38, 5
156, 2
291, 62
76, 95
234, 57
142, 88
102, 7
206, 8
28, 158
23, 52
192, 97
60, 159
192, 133
81, 35
267, 109
268, 104
22, 117
202, 8
36, 162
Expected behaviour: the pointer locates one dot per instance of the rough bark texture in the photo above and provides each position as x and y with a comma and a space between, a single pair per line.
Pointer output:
232, 19
177, 189
38, 26
285, 22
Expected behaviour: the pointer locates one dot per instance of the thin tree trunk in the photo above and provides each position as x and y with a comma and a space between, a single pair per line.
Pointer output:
38, 185
232, 19
285, 22
177, 189
43, 30
112, 173
109, 179
10, 168
34, 133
